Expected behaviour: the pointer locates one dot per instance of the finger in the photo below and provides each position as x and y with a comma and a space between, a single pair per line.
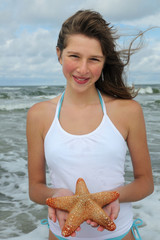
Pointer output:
100, 229
88, 221
108, 210
52, 214
78, 229
114, 213
113, 216
61, 216
61, 223
94, 224
73, 234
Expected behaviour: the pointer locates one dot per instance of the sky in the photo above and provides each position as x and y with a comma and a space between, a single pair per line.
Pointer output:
29, 30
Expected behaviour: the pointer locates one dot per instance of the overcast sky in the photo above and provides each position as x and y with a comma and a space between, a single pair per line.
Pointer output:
29, 31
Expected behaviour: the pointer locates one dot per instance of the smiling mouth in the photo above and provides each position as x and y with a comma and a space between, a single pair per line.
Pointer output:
80, 80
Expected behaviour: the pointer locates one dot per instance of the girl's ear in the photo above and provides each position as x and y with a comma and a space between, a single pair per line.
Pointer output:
59, 54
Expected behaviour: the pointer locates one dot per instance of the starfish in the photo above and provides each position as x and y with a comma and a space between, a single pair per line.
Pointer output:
83, 206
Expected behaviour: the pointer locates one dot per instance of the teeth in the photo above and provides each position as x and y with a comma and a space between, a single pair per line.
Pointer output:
80, 79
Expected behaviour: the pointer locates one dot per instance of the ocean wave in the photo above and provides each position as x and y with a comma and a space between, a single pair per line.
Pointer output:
27, 93
45, 97
11, 88
149, 90
156, 90
45, 92
157, 102
21, 103
7, 96
43, 87
4, 96
37, 93
12, 107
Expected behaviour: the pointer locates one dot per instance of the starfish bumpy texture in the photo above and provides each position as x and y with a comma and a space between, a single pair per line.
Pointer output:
83, 206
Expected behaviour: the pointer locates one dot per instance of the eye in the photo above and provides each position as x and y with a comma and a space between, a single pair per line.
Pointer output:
94, 59
74, 56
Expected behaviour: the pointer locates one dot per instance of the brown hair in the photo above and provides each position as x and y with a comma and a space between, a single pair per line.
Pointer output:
91, 24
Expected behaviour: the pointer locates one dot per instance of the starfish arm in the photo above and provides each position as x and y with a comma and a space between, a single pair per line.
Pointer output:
98, 215
74, 219
63, 203
104, 198
81, 186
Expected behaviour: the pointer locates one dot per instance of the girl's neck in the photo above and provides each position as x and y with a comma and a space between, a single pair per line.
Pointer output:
81, 99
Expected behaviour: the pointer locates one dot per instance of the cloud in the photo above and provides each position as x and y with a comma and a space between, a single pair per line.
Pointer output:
30, 55
145, 64
38, 12
147, 21
50, 12
126, 10
148, 59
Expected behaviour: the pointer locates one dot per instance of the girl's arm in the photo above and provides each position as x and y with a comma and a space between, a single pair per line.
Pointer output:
38, 191
142, 184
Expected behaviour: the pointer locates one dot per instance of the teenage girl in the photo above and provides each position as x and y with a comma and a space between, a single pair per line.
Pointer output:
86, 131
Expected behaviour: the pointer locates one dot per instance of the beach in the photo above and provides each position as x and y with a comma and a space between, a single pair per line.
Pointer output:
21, 218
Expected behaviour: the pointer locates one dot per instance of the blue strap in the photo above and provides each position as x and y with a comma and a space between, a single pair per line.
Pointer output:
60, 105
137, 222
44, 222
100, 98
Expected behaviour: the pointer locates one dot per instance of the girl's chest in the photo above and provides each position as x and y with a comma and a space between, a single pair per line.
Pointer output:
82, 121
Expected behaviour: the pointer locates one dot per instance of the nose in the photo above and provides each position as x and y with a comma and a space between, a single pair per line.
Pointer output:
83, 67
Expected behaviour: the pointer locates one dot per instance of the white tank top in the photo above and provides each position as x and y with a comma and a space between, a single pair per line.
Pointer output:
97, 157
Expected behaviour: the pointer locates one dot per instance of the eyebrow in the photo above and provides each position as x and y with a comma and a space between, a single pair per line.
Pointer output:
94, 56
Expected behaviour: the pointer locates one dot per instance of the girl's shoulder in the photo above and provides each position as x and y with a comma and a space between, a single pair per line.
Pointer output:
42, 108
125, 114
128, 106
42, 113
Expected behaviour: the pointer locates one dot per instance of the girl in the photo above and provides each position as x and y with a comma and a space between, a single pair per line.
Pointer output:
85, 132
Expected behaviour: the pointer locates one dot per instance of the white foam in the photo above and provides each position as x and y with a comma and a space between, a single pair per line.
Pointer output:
10, 88
40, 233
24, 103
147, 90
45, 96
17, 106
43, 87
148, 209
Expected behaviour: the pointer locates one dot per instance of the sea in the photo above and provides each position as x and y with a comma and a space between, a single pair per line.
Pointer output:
20, 218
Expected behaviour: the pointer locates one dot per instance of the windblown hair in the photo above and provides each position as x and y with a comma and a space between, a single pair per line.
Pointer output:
91, 24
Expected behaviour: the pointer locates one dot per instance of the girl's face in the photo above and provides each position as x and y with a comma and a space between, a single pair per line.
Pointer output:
82, 61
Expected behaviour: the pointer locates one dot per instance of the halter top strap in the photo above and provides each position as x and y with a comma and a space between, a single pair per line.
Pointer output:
100, 99
60, 103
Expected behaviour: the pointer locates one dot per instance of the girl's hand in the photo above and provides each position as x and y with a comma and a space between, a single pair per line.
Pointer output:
112, 210
60, 215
